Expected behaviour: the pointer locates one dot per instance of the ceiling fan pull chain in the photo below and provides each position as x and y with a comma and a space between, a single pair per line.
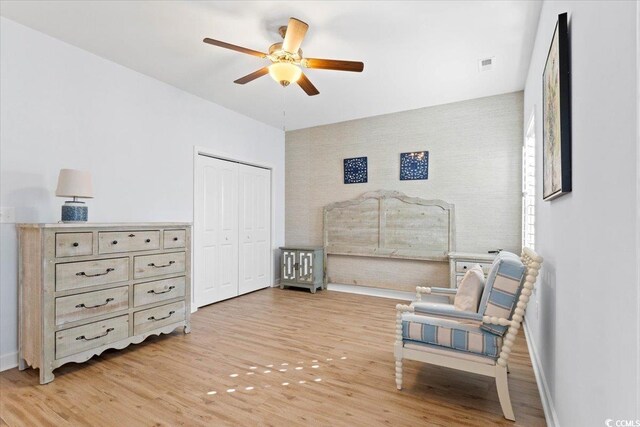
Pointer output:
284, 111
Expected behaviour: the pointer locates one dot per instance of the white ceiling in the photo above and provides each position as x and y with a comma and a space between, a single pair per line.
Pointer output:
416, 54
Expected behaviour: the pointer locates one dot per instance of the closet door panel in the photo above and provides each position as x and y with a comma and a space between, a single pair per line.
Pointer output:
254, 228
216, 270
228, 235
262, 232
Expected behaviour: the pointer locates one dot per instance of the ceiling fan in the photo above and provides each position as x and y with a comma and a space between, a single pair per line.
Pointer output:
286, 58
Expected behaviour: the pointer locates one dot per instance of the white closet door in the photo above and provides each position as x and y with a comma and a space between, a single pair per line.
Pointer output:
254, 227
216, 222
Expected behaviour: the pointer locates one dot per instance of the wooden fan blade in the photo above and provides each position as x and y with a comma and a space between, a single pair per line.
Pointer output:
333, 64
296, 30
307, 86
250, 77
234, 47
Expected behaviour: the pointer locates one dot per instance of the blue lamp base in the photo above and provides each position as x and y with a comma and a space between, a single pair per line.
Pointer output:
74, 211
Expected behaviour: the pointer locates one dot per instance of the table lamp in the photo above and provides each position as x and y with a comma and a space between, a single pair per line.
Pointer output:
76, 184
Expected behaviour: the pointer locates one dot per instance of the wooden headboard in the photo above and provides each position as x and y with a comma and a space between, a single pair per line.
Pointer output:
390, 224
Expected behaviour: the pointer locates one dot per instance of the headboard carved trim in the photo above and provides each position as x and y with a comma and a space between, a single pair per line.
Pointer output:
390, 224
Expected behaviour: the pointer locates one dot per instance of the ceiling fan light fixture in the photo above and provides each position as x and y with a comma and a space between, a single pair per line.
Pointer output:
284, 73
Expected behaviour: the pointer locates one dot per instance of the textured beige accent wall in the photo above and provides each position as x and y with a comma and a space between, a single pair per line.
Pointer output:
475, 152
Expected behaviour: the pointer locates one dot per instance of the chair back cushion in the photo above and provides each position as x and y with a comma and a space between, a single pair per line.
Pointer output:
470, 290
502, 290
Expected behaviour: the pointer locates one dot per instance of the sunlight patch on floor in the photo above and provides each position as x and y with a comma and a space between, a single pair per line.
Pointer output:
253, 369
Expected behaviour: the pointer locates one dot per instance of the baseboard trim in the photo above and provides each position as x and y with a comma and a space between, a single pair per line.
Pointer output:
276, 283
549, 409
8, 361
373, 292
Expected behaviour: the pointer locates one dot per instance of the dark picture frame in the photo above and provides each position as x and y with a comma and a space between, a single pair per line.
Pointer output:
356, 170
556, 115
414, 166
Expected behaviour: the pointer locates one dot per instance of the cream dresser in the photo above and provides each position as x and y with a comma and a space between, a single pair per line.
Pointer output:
460, 262
85, 288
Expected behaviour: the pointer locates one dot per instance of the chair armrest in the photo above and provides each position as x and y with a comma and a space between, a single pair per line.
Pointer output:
445, 311
492, 320
434, 291
401, 308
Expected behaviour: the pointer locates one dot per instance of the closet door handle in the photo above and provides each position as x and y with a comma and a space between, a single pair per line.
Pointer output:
82, 337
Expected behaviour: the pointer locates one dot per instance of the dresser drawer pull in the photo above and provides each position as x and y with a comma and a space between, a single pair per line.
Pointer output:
107, 301
148, 241
161, 266
161, 318
175, 239
132, 235
82, 337
76, 244
153, 291
115, 242
82, 273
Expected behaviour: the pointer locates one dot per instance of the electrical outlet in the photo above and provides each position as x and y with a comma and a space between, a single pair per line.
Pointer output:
7, 215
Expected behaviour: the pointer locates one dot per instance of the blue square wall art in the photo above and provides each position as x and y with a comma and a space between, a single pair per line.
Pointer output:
355, 170
414, 165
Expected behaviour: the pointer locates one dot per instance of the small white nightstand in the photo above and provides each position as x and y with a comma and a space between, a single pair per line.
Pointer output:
460, 262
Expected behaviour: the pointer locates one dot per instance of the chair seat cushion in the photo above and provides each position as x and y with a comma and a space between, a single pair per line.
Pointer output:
450, 334
447, 311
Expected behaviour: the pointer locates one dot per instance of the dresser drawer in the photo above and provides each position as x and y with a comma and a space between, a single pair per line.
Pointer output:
174, 239
74, 275
86, 337
154, 318
463, 266
128, 241
73, 244
160, 290
158, 265
91, 304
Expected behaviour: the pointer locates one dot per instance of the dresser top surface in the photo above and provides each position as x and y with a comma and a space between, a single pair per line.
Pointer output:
74, 225
472, 255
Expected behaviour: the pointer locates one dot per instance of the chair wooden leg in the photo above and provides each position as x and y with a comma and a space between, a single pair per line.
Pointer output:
503, 392
399, 374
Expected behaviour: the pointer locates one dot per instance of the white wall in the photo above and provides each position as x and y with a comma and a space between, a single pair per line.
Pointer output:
586, 334
638, 194
62, 107
475, 162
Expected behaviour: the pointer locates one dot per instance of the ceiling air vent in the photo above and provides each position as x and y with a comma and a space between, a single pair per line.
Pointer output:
486, 64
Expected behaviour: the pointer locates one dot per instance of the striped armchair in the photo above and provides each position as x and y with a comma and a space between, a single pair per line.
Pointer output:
474, 342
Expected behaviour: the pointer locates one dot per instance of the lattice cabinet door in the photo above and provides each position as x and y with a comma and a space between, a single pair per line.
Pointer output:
288, 265
305, 266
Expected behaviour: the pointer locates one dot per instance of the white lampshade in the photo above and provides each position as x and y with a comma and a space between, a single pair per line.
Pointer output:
74, 183
284, 72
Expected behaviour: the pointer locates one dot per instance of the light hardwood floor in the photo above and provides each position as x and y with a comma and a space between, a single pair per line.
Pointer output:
171, 385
